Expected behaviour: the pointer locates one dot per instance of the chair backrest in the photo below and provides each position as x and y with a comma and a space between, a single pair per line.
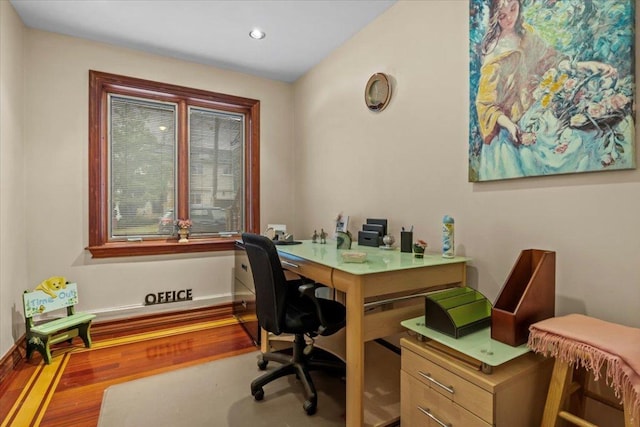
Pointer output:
269, 281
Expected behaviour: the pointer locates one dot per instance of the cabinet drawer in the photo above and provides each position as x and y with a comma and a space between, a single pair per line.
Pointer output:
422, 406
320, 273
244, 301
449, 385
243, 269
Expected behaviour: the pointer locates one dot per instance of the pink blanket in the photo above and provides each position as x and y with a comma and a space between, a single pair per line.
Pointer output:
593, 343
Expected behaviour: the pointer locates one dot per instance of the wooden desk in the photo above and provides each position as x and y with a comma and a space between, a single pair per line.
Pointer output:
386, 274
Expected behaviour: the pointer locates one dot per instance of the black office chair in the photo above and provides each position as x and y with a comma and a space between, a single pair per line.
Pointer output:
290, 306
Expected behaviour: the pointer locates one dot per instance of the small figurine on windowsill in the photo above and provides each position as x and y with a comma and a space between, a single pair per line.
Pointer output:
323, 236
183, 229
314, 238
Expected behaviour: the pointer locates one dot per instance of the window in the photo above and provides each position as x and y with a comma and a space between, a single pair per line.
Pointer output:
157, 149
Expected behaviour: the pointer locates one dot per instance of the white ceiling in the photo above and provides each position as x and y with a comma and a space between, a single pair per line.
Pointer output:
300, 33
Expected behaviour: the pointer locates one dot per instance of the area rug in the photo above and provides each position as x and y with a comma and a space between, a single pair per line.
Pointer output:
218, 394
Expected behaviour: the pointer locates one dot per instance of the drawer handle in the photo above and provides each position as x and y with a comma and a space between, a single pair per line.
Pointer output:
289, 264
428, 413
436, 382
244, 267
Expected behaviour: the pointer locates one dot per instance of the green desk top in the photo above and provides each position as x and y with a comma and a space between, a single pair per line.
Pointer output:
378, 260
478, 345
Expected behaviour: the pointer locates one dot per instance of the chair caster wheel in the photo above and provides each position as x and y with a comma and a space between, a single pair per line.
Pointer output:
309, 407
262, 364
258, 394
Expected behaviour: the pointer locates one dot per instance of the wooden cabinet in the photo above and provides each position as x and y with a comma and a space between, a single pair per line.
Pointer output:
244, 294
438, 388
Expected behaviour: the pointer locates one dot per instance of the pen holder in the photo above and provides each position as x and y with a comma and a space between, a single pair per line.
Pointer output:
406, 241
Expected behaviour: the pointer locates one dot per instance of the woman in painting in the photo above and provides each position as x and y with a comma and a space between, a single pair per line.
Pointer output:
515, 62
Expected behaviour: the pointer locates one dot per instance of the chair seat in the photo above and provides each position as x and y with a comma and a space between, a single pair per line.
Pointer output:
301, 317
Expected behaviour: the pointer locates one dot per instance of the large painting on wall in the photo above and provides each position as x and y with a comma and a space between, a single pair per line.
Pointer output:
552, 87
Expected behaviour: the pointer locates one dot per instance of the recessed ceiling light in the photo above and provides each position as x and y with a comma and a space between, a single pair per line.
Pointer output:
257, 34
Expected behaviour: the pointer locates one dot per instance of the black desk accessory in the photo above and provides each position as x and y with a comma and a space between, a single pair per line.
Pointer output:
378, 228
368, 238
380, 221
406, 241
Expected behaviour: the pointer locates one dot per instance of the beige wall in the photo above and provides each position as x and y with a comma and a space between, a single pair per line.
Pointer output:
13, 246
409, 164
55, 141
417, 146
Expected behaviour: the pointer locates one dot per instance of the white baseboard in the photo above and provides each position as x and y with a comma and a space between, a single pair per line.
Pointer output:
114, 313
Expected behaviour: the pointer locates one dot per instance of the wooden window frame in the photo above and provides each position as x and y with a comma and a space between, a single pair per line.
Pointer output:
100, 85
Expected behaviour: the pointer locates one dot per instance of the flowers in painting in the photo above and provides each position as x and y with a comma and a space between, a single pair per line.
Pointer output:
584, 100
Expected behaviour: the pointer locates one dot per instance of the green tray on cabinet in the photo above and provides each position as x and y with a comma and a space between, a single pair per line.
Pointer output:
457, 312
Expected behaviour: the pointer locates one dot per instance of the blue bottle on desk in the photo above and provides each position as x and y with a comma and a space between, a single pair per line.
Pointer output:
447, 237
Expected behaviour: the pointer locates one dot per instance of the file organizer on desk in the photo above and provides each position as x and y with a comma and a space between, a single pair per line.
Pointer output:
457, 312
528, 296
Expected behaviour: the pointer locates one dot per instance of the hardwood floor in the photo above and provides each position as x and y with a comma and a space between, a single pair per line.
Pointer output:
68, 392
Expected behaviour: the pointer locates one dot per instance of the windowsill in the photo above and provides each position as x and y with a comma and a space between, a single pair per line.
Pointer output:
160, 247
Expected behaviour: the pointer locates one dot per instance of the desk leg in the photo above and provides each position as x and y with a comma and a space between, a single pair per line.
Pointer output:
264, 341
355, 354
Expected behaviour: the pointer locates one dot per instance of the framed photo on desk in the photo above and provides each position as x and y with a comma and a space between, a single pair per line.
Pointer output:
342, 223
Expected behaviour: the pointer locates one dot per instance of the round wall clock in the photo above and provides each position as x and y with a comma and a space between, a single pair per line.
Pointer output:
377, 93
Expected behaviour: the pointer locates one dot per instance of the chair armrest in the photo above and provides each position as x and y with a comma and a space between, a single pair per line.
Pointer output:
309, 290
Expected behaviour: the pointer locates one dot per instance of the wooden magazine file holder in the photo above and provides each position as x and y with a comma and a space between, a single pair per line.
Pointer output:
528, 296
